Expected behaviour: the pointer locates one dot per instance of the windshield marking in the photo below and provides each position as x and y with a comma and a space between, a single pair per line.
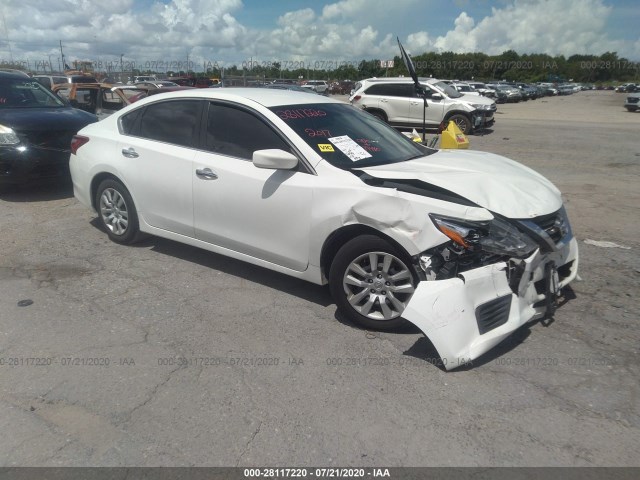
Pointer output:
366, 144
350, 148
300, 113
312, 132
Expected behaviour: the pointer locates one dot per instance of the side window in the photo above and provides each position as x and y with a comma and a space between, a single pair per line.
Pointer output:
236, 132
128, 121
392, 90
111, 100
427, 91
85, 100
171, 122
45, 82
404, 90
376, 90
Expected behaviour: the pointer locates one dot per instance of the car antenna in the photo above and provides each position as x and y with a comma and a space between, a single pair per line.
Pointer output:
420, 90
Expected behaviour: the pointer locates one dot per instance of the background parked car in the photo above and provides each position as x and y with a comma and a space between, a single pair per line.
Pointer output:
483, 89
50, 80
465, 89
633, 102
293, 88
395, 100
36, 129
103, 99
341, 88
198, 82
513, 94
156, 84
318, 86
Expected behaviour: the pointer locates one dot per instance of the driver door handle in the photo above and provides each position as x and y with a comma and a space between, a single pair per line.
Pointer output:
206, 174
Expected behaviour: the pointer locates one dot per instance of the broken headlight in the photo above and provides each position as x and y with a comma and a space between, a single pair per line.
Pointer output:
496, 236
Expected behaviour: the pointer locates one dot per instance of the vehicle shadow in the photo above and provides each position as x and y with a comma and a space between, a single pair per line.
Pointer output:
36, 192
422, 349
300, 288
482, 132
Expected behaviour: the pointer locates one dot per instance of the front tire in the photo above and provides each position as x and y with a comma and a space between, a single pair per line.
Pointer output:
116, 212
462, 122
372, 282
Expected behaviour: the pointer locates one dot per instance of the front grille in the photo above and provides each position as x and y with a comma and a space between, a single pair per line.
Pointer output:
633, 99
492, 314
49, 140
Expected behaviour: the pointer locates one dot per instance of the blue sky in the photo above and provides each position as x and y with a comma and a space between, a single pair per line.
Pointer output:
235, 31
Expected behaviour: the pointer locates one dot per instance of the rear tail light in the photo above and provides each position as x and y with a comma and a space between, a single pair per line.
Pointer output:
356, 98
76, 142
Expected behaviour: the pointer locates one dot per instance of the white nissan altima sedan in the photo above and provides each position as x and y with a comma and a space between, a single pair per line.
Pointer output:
468, 246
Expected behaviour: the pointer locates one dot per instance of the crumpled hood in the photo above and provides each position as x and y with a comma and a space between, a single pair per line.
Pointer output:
491, 181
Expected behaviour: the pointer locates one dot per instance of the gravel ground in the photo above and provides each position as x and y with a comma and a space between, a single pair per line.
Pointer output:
146, 355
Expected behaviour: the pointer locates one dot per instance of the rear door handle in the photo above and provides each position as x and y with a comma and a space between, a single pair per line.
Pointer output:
206, 174
130, 152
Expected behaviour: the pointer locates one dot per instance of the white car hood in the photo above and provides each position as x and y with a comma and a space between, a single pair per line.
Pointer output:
488, 180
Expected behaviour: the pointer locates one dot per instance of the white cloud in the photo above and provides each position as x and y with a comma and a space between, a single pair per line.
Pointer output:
342, 30
541, 26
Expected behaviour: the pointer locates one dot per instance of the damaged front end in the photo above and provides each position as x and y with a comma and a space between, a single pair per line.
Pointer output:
489, 279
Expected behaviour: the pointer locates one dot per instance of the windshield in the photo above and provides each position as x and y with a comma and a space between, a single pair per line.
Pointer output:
347, 137
448, 90
26, 93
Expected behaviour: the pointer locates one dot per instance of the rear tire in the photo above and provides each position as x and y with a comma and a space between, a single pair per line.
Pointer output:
116, 212
372, 282
378, 114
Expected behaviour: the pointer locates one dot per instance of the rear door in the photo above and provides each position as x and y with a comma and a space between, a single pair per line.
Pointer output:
392, 98
156, 159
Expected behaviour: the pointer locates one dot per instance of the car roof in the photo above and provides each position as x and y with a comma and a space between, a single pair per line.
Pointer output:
266, 97
14, 74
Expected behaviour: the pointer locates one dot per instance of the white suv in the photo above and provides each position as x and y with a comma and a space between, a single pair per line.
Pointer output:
318, 86
396, 101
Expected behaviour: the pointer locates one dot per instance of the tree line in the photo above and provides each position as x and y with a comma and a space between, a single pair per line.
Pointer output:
509, 65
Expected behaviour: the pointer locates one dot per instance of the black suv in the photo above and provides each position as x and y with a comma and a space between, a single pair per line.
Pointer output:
36, 128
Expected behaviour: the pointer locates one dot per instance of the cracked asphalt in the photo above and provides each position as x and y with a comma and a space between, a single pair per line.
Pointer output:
161, 354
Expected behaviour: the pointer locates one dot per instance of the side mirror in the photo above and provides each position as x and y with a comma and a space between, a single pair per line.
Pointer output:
274, 159
436, 96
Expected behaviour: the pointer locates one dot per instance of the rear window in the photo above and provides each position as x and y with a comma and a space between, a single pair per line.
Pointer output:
347, 137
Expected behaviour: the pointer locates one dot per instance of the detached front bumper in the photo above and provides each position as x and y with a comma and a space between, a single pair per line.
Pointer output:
466, 316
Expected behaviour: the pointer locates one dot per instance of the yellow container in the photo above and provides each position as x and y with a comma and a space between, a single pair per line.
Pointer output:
453, 137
